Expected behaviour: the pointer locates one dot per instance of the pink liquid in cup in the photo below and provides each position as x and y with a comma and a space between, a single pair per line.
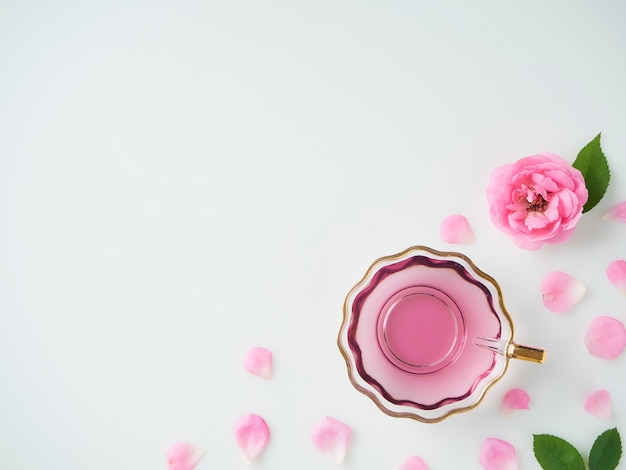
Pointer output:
421, 330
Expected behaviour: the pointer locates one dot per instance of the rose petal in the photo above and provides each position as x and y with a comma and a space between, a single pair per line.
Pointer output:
599, 404
456, 229
560, 291
616, 272
259, 362
496, 454
183, 456
332, 437
617, 212
252, 435
515, 399
605, 338
413, 463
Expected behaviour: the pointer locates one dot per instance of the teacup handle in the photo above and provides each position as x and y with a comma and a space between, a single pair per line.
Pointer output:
512, 350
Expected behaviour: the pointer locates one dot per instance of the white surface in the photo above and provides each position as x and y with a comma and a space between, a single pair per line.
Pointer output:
181, 181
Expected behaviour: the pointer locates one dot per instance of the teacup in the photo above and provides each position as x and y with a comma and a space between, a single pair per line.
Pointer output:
425, 334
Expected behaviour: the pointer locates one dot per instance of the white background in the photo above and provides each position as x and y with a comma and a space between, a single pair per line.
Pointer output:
180, 181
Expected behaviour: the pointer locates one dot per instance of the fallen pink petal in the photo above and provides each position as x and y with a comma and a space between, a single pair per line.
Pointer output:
258, 361
616, 272
599, 404
560, 291
252, 435
497, 454
332, 437
456, 229
617, 212
515, 399
605, 338
183, 456
413, 463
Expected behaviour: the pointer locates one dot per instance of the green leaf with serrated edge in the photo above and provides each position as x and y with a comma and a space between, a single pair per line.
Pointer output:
554, 453
592, 163
606, 451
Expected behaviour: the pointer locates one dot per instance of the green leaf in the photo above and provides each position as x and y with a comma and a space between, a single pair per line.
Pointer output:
592, 163
554, 453
606, 451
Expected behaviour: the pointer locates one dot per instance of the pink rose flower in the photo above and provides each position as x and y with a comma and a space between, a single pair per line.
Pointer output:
537, 200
